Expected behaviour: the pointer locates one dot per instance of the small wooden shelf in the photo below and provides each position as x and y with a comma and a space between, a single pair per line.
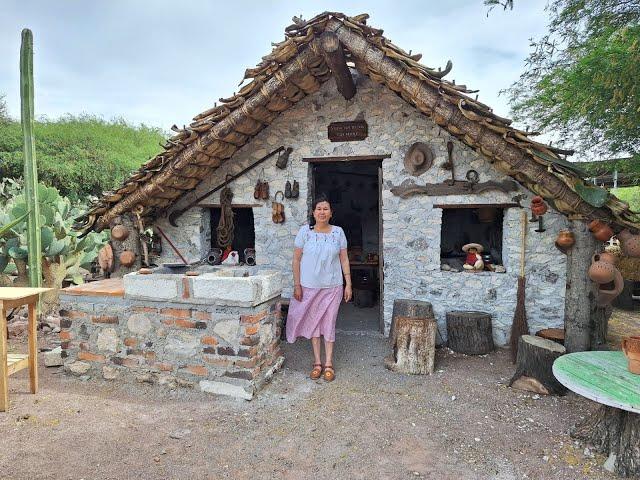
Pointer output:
17, 362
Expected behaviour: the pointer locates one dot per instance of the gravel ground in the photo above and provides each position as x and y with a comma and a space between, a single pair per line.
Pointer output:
462, 422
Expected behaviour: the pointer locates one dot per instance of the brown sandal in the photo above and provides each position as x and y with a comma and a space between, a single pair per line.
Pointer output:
316, 373
329, 374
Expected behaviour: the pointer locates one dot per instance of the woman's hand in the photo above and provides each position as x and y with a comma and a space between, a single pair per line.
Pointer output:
297, 293
348, 293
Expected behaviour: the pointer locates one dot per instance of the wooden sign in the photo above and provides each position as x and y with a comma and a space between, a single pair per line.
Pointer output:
348, 131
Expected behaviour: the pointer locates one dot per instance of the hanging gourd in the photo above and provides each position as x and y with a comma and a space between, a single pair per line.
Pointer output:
538, 206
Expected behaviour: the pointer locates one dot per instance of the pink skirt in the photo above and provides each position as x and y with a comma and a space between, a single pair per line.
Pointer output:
315, 315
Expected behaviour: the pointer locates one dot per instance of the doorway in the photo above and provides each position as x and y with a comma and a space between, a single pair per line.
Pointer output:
354, 190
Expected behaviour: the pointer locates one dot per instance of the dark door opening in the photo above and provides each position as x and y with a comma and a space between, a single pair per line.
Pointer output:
353, 188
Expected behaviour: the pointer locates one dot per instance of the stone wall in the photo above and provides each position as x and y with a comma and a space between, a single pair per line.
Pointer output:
411, 226
220, 347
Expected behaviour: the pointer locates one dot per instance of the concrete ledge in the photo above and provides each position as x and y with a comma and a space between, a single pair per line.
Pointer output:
228, 389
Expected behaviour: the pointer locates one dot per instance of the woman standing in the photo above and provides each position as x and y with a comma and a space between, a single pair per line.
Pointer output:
319, 262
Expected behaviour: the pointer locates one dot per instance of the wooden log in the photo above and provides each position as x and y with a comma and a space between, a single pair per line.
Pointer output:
535, 359
414, 346
403, 307
469, 332
553, 334
334, 56
614, 432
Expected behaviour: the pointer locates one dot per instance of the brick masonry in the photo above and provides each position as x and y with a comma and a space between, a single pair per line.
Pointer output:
218, 348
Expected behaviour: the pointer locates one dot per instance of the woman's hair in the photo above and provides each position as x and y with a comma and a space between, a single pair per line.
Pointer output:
319, 199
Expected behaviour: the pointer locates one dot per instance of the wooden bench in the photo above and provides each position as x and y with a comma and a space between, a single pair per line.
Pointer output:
614, 429
10, 363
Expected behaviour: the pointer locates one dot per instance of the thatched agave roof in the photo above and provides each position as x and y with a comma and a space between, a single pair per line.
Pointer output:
296, 68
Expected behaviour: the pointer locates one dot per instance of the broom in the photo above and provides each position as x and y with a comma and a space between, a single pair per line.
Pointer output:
519, 326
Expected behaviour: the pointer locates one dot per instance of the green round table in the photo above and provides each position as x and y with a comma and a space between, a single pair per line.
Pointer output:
615, 428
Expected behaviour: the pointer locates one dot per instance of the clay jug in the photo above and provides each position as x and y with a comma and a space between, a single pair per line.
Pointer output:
608, 257
538, 207
630, 243
600, 271
565, 239
127, 258
119, 233
631, 349
600, 230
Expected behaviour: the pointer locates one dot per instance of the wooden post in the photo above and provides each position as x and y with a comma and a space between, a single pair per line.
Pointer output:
579, 302
131, 243
34, 244
334, 56
32, 332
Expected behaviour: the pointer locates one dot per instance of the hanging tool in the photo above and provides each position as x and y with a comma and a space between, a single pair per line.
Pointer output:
449, 164
173, 216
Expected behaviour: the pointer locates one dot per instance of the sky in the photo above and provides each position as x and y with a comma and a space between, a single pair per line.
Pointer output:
162, 62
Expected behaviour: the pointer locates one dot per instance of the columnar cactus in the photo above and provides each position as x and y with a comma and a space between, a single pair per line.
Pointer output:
34, 244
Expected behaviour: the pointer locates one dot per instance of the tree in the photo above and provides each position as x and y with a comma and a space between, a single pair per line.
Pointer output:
4, 114
581, 78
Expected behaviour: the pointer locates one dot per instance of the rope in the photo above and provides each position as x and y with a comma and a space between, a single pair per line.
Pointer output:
225, 226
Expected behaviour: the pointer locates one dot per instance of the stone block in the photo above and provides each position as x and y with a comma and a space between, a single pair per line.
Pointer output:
182, 344
79, 368
53, 358
228, 331
107, 340
156, 287
228, 389
110, 373
139, 323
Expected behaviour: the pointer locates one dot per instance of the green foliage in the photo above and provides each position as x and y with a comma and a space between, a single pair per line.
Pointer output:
631, 195
80, 156
4, 114
628, 168
60, 243
581, 79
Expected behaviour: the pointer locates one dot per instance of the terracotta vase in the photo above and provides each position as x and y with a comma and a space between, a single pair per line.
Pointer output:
631, 349
127, 258
119, 233
600, 271
630, 243
565, 239
607, 295
538, 207
607, 257
600, 230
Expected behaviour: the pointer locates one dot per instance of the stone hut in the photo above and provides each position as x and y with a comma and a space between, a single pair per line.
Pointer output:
414, 165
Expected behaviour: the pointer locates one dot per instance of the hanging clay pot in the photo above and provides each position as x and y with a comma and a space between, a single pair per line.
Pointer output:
600, 271
565, 239
606, 294
538, 206
119, 233
600, 230
631, 349
630, 243
608, 258
127, 258
105, 258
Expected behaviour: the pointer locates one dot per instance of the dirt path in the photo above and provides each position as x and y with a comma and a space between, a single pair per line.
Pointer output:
460, 423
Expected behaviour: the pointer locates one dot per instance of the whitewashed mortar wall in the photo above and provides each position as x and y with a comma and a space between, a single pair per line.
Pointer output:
411, 226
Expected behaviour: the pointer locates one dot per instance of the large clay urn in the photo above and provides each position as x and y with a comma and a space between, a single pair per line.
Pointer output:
601, 271
630, 243
565, 239
600, 230
631, 348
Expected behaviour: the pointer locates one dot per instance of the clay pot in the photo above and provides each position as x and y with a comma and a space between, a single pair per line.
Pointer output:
606, 295
127, 258
600, 271
607, 257
105, 258
538, 207
631, 349
565, 239
119, 233
600, 230
630, 243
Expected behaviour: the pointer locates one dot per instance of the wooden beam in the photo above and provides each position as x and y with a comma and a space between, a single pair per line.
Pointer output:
475, 205
234, 205
353, 158
334, 56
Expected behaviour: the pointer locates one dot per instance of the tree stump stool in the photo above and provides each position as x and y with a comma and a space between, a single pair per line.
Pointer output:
413, 338
553, 334
470, 332
535, 360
